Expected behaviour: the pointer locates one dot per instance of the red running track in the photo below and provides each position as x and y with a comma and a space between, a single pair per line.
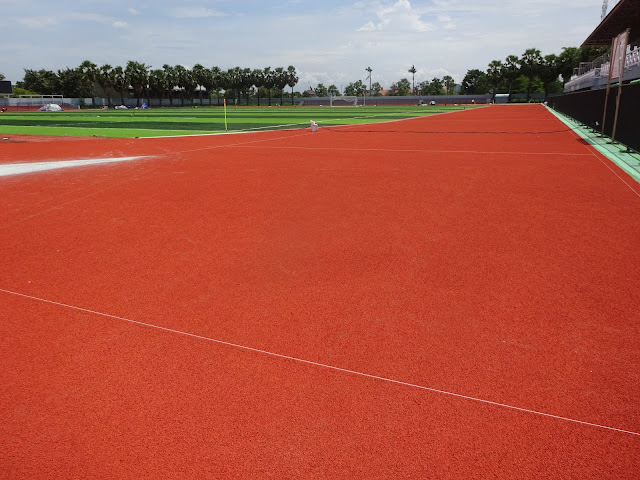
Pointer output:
476, 273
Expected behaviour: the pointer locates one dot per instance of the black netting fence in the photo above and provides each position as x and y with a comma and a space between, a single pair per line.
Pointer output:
587, 107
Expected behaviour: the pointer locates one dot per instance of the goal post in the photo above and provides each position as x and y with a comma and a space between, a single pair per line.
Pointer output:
343, 101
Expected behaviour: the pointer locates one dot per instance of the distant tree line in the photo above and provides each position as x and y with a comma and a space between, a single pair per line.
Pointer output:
529, 73
176, 83
436, 86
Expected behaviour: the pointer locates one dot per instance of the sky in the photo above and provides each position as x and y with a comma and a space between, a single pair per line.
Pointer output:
328, 41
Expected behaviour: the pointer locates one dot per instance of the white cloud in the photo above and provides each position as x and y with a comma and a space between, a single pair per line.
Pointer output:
91, 17
369, 27
98, 18
398, 17
195, 12
37, 22
330, 42
446, 22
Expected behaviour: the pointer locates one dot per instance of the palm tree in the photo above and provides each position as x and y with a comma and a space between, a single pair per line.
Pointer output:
189, 83
449, 84
217, 81
120, 83
494, 76
550, 72
530, 63
224, 83
234, 81
510, 71
436, 86
292, 79
199, 75
179, 79
246, 82
137, 75
171, 80
281, 80
268, 81
258, 80
158, 84
104, 79
413, 71
89, 76
208, 81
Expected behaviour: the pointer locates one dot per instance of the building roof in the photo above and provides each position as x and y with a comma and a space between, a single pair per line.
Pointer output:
626, 14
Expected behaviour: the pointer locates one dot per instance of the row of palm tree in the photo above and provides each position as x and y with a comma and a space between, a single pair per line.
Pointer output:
169, 81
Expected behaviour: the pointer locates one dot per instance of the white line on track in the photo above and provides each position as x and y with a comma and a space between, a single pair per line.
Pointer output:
616, 174
415, 150
593, 152
237, 144
322, 365
266, 128
21, 168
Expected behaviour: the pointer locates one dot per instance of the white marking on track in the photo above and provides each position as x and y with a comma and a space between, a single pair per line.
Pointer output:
330, 367
22, 168
425, 150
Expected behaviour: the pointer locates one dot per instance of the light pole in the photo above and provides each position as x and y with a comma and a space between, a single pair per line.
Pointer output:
368, 69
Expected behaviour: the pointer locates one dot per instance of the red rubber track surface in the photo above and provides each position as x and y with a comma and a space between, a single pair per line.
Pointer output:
488, 253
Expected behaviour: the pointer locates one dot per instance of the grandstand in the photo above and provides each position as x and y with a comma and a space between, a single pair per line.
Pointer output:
611, 111
590, 75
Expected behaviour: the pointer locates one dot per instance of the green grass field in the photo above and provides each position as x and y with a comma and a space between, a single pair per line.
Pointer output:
202, 120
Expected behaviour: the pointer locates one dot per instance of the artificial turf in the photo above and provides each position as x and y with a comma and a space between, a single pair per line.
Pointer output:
201, 120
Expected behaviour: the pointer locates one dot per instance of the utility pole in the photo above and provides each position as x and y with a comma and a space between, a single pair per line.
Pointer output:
368, 69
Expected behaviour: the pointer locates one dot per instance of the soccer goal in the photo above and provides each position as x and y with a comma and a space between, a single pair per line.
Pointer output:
343, 101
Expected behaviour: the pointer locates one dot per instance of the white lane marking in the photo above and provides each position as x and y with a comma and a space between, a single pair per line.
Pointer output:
343, 148
21, 168
322, 365
593, 150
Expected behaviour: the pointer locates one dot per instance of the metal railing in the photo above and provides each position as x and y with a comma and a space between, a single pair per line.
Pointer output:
586, 67
588, 72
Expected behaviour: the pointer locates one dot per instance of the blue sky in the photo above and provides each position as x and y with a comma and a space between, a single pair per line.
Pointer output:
328, 41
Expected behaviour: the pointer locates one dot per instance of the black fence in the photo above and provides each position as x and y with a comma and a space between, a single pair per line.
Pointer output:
588, 107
